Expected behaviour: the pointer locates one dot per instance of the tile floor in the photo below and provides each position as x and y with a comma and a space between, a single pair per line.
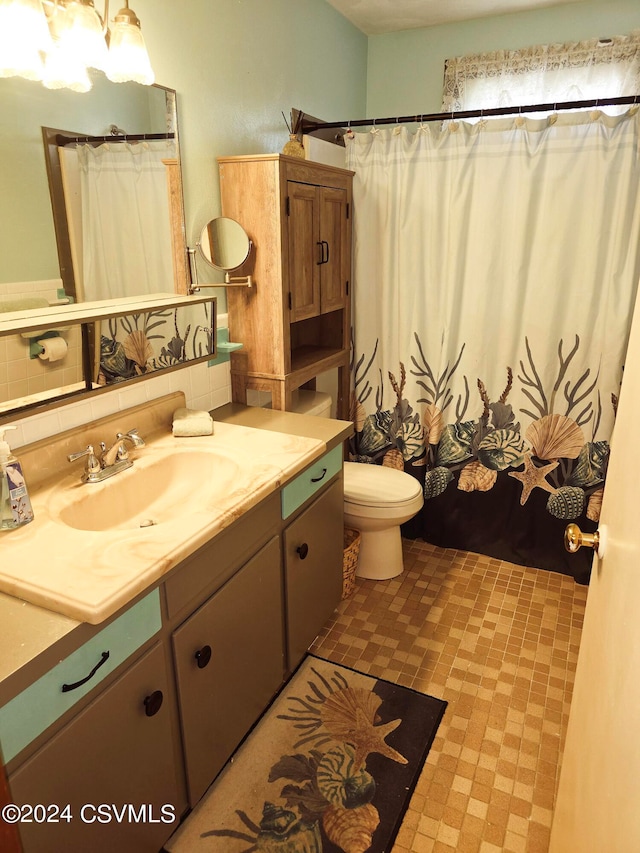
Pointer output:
499, 643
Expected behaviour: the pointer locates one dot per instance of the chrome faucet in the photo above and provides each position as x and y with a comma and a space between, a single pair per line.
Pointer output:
111, 461
118, 451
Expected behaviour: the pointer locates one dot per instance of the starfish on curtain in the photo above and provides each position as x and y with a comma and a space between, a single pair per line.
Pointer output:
533, 476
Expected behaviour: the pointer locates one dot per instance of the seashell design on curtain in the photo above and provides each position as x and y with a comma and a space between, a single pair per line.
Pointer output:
495, 274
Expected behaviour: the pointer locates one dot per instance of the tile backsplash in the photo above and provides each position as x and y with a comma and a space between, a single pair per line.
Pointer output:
204, 388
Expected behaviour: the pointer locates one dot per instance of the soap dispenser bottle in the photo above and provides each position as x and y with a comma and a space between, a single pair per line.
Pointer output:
15, 506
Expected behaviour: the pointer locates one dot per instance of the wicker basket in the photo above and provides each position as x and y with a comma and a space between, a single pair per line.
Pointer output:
350, 560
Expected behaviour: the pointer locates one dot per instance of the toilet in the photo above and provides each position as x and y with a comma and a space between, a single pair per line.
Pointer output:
377, 500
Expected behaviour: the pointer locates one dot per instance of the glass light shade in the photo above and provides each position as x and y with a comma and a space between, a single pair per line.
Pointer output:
63, 68
82, 35
128, 57
23, 35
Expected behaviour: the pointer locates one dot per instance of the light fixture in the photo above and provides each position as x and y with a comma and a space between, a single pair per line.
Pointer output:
128, 57
24, 36
56, 41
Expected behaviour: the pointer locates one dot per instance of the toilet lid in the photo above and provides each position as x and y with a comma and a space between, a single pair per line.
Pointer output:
375, 485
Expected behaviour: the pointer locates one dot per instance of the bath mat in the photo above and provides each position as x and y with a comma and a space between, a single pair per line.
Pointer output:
330, 768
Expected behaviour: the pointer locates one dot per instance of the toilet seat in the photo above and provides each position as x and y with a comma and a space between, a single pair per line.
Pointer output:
376, 486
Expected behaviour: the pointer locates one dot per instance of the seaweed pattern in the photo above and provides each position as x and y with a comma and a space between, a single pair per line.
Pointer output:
553, 453
127, 350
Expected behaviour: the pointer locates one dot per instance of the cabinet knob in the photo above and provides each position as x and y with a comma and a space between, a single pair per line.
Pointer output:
203, 656
153, 703
302, 550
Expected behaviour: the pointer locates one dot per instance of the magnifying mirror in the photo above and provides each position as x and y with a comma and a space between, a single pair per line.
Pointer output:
224, 245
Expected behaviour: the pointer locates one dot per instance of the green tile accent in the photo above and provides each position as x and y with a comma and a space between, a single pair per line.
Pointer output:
223, 347
29, 713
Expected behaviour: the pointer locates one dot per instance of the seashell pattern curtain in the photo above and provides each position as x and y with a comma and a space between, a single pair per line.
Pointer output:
495, 272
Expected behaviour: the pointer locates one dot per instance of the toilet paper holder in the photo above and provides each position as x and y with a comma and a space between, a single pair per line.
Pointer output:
35, 348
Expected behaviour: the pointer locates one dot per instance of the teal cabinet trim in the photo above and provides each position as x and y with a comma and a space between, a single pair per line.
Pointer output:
223, 347
29, 713
295, 493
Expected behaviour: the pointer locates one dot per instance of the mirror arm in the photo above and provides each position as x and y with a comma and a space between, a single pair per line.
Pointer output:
229, 281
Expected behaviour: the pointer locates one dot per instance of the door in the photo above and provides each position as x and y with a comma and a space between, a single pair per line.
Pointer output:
305, 250
229, 663
597, 805
113, 768
313, 570
335, 247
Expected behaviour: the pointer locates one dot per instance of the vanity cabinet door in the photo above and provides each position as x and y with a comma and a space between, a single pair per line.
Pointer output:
229, 663
313, 570
116, 754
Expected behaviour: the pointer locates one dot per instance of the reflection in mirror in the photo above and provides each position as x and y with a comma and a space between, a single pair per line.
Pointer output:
28, 249
32, 273
224, 244
136, 345
40, 366
114, 196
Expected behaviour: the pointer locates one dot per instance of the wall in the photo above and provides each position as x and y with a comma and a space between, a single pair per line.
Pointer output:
236, 66
406, 69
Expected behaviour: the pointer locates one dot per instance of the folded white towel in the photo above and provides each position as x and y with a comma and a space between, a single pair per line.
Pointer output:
187, 422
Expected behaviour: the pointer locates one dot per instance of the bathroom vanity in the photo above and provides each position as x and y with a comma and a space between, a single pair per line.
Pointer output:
114, 729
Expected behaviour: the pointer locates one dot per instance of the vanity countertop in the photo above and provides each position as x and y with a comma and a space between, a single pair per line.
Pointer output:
87, 576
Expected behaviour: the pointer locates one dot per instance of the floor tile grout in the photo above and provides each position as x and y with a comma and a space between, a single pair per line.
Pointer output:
499, 643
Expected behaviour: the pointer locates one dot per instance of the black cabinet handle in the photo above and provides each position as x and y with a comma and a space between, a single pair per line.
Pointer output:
324, 252
153, 703
67, 687
321, 477
302, 550
203, 656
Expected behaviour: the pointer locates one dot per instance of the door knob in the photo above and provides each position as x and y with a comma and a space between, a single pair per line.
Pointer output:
574, 539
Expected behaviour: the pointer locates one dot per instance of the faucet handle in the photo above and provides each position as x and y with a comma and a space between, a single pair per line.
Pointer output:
93, 463
133, 435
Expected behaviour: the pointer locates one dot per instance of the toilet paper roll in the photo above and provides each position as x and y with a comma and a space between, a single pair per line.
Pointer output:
53, 349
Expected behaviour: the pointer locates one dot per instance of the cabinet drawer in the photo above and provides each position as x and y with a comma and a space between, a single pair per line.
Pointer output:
29, 713
295, 493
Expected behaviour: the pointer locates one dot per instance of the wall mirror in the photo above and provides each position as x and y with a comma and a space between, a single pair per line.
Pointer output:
28, 246
33, 275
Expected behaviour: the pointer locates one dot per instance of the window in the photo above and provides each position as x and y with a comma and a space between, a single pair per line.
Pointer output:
599, 68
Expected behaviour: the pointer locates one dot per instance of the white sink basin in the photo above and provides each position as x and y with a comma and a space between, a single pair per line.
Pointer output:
164, 489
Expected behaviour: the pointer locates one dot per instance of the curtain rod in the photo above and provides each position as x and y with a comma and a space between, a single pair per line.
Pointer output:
310, 126
63, 140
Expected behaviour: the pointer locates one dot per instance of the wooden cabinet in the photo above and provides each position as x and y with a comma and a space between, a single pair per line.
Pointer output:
113, 765
295, 322
229, 664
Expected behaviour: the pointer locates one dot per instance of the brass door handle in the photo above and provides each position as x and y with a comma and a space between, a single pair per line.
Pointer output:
574, 539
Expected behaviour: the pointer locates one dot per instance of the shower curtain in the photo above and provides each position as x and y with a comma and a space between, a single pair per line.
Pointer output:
495, 270
126, 225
